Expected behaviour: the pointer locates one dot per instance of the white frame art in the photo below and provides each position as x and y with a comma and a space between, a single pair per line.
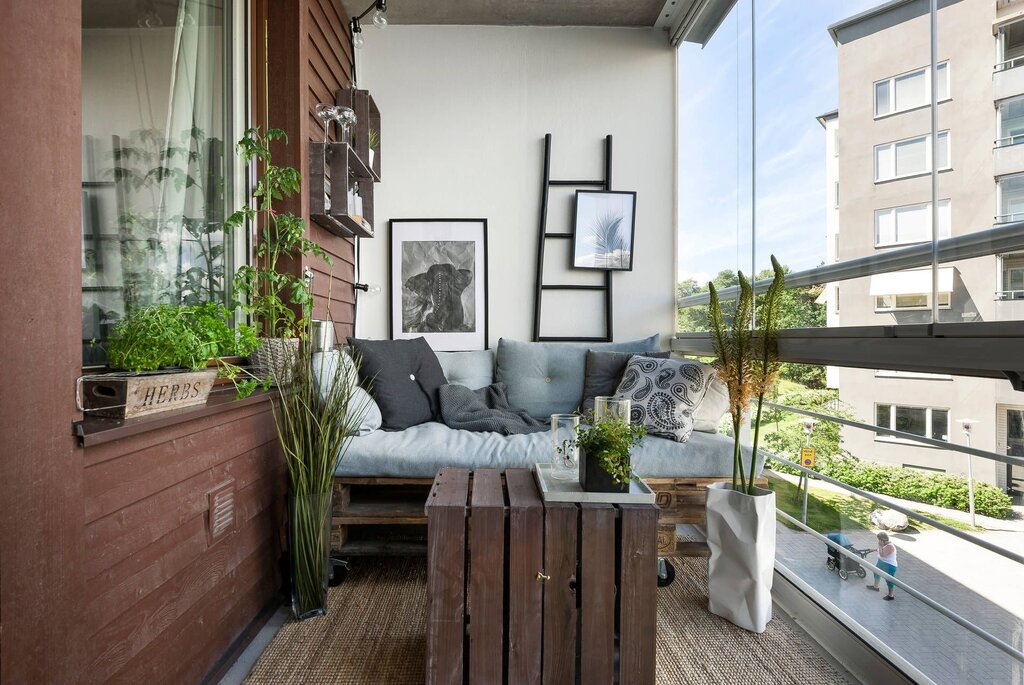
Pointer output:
438, 278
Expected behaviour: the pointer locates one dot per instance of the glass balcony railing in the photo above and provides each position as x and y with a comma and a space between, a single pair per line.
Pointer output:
958, 613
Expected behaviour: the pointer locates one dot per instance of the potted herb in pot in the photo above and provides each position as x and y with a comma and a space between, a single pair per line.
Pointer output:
605, 445
276, 299
161, 355
374, 143
740, 515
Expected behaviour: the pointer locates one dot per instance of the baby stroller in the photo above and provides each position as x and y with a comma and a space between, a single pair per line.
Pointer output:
845, 565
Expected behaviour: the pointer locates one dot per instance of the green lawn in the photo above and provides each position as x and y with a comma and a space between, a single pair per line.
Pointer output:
828, 511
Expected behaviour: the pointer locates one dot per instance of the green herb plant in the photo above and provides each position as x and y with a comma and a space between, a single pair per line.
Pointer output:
374, 139
611, 440
280, 301
748, 360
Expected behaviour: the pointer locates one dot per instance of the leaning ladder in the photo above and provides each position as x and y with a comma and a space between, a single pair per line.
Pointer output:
541, 287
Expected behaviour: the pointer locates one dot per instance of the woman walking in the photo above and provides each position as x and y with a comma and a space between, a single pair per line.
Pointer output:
886, 562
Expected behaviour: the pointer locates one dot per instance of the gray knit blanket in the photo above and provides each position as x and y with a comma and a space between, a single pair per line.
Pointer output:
484, 410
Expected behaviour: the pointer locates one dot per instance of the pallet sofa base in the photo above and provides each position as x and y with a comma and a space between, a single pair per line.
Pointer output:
385, 516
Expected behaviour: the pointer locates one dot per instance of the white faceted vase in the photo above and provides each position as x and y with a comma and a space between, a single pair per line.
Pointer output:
741, 537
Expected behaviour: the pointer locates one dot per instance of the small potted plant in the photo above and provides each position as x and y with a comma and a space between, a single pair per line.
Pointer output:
273, 295
605, 445
374, 143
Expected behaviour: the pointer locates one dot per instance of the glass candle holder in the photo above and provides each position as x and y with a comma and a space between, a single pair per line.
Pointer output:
611, 408
564, 462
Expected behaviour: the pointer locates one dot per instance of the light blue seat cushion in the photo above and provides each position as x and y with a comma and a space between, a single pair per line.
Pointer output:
419, 451
547, 378
473, 369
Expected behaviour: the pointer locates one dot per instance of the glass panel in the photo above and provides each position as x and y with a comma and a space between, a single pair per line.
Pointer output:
1011, 122
911, 301
942, 155
945, 219
943, 81
911, 90
883, 162
883, 415
913, 224
1013, 41
912, 420
1011, 197
156, 153
911, 157
882, 98
885, 227
940, 424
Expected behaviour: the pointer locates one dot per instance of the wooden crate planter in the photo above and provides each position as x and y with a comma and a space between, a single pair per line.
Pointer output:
130, 395
520, 591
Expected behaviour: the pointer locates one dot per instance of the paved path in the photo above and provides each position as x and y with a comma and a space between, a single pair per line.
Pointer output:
940, 648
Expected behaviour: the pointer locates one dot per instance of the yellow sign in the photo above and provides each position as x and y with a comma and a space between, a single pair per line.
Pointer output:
807, 457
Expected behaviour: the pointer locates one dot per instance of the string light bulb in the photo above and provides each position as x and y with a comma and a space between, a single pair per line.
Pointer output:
357, 34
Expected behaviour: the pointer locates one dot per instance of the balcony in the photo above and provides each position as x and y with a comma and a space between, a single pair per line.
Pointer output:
1008, 79
1008, 155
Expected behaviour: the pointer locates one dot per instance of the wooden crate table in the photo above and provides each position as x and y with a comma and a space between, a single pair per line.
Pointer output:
522, 591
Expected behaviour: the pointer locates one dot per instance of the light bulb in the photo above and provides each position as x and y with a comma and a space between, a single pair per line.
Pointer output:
357, 40
380, 19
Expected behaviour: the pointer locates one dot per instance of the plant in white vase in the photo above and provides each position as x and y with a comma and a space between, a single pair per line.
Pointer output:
740, 515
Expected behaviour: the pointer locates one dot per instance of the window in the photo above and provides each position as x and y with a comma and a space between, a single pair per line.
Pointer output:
835, 298
1010, 190
910, 157
1011, 122
910, 90
1011, 277
910, 224
160, 93
927, 422
835, 190
885, 303
1011, 46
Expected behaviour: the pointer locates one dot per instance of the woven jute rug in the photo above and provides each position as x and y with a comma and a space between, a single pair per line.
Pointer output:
374, 633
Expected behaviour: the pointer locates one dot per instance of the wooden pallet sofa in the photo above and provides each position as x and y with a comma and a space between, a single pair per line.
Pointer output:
381, 485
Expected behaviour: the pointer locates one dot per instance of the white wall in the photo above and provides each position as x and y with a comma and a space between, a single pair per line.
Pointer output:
465, 110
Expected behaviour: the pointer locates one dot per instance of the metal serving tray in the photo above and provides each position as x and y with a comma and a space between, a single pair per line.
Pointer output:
552, 490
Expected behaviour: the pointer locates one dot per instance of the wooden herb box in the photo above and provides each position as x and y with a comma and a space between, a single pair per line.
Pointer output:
129, 395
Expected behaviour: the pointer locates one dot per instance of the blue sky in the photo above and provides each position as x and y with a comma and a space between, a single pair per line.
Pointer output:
796, 81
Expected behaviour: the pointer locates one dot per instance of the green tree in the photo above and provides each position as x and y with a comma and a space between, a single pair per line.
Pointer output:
798, 310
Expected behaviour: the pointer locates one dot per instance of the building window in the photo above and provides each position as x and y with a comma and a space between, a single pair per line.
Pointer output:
835, 299
889, 303
928, 422
910, 90
910, 224
161, 107
1011, 122
1010, 192
1011, 277
836, 194
1011, 46
910, 157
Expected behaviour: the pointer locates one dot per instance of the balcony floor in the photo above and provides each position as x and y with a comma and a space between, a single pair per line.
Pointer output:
374, 633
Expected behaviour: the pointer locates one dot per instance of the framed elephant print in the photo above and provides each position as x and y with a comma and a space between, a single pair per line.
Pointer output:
438, 276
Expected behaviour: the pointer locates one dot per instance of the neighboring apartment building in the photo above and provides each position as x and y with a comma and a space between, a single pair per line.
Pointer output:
879, 191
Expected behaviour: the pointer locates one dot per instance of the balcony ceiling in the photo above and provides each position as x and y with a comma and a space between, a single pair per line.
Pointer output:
519, 13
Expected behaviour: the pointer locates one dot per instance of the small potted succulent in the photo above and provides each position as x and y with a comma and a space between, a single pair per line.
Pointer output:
605, 445
277, 299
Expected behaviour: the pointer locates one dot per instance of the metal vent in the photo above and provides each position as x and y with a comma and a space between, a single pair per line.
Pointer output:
220, 519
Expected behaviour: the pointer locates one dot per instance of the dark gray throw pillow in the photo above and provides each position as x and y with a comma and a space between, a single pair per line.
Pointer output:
403, 376
664, 393
604, 373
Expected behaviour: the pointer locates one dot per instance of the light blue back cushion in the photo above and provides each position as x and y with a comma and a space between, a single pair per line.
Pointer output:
547, 378
472, 369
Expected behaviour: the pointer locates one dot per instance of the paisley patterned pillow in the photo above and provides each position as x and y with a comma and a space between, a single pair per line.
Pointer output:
664, 393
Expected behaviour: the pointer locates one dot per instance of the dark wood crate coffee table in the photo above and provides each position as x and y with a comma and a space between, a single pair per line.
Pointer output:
523, 591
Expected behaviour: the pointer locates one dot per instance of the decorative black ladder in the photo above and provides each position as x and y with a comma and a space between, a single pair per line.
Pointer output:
606, 288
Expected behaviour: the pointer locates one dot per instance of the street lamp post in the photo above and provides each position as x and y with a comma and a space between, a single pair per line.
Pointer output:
808, 429
966, 425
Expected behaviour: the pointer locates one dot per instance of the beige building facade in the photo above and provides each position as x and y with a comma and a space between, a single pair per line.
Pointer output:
879, 187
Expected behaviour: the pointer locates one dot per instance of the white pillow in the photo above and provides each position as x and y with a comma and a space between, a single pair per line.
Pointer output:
325, 366
663, 394
708, 414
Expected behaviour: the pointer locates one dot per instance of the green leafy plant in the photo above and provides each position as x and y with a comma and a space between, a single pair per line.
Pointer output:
748, 362
374, 139
315, 419
279, 300
611, 440
165, 335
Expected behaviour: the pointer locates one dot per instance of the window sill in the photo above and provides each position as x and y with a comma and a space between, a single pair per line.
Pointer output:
903, 441
887, 115
907, 176
95, 430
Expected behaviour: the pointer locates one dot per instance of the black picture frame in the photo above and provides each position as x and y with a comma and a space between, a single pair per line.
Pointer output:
414, 310
593, 212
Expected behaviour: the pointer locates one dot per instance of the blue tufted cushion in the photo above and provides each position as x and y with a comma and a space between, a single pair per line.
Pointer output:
547, 378
473, 369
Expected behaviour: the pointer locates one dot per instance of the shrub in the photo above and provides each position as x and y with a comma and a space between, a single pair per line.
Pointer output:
938, 489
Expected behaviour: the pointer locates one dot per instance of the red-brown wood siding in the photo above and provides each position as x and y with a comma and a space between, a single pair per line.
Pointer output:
315, 35
106, 569
41, 528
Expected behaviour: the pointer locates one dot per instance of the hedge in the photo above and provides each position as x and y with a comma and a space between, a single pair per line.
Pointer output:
938, 489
